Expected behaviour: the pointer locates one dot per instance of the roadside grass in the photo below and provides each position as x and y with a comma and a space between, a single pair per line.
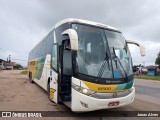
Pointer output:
24, 72
146, 77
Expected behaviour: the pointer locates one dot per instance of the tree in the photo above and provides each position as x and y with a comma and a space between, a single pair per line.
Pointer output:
158, 59
1, 60
18, 66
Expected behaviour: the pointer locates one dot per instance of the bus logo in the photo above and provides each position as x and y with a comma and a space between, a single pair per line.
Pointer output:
114, 95
6, 114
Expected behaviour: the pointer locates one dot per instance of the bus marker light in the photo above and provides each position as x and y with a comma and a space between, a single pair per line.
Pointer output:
113, 103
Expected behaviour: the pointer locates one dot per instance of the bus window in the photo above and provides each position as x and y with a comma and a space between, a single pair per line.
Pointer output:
54, 56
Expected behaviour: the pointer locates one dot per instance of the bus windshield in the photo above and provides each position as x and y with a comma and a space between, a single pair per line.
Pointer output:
99, 49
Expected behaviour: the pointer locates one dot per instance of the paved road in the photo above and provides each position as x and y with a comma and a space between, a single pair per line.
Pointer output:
148, 90
16, 93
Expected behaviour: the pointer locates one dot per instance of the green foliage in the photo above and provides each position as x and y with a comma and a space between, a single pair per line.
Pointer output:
158, 60
18, 66
140, 65
1, 60
24, 72
146, 77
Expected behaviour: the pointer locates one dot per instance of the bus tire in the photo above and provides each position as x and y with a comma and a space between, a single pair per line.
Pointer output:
30, 77
48, 90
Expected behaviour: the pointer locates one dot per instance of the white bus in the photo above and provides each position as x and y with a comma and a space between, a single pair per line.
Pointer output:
85, 65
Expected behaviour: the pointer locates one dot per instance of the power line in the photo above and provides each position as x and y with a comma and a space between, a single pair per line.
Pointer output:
19, 59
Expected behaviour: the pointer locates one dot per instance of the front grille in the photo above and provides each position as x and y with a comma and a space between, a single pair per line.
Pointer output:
111, 95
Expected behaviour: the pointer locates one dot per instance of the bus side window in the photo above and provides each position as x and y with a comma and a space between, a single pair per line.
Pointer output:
54, 56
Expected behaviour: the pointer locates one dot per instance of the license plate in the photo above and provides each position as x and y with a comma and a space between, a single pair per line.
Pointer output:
113, 103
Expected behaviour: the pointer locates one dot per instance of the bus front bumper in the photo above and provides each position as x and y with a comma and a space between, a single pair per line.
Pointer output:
82, 103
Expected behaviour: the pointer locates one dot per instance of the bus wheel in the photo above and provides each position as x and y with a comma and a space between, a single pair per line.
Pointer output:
48, 90
30, 78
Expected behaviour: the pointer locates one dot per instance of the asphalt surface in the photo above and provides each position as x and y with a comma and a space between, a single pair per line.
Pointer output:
148, 90
17, 94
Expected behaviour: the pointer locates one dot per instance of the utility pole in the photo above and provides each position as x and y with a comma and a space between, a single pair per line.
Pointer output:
0, 54
144, 64
9, 58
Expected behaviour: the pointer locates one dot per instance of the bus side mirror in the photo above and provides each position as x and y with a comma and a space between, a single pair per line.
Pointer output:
73, 38
139, 44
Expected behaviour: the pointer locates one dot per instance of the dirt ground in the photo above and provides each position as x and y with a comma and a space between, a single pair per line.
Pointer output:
18, 94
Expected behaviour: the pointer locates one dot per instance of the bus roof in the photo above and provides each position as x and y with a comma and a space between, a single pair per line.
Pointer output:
84, 22
78, 21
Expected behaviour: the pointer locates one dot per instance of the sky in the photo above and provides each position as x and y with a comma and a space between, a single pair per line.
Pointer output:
24, 22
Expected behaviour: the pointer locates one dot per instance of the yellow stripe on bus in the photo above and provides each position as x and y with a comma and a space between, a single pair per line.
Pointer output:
100, 87
32, 66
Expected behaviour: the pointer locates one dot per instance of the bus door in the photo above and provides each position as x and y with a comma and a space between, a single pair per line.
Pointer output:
54, 74
66, 76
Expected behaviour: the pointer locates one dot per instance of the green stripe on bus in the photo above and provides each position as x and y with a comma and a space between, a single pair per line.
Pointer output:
125, 85
120, 86
39, 67
129, 84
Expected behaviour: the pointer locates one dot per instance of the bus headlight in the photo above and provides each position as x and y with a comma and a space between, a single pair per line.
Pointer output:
82, 90
85, 91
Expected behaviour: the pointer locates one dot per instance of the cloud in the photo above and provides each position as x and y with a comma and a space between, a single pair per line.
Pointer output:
5, 54
24, 23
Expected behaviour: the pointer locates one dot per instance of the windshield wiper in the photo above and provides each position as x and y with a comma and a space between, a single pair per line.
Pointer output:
102, 68
117, 59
